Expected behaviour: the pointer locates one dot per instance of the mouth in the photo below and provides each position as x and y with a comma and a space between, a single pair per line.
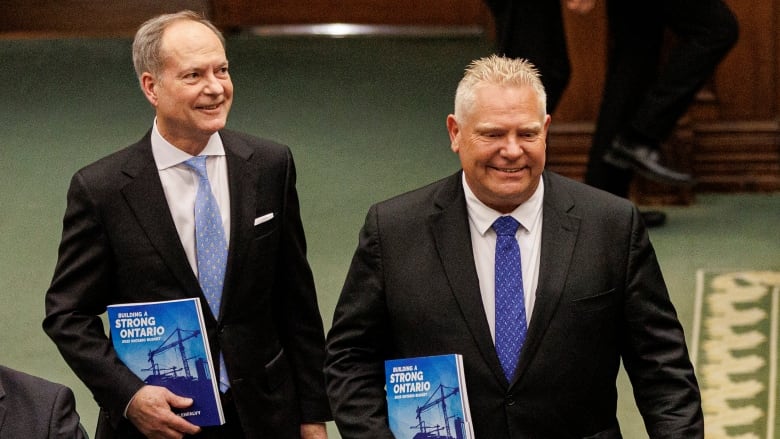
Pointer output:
508, 170
209, 107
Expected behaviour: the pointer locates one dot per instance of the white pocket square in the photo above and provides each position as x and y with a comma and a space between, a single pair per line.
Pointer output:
265, 218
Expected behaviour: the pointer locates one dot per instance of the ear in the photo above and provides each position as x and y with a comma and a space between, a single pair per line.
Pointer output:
149, 87
547, 120
454, 130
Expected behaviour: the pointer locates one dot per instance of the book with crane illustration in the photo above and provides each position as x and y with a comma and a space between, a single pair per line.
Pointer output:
165, 344
426, 398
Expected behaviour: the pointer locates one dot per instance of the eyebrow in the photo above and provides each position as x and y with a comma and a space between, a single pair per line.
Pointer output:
535, 126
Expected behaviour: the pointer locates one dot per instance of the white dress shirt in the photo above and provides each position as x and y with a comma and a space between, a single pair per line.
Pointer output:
180, 184
483, 242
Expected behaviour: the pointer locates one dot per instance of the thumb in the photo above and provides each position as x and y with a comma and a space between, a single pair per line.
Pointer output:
178, 402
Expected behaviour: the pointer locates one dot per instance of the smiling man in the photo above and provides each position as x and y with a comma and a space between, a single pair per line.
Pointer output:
543, 284
193, 210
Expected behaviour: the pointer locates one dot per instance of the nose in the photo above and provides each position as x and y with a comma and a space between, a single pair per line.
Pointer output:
213, 85
513, 148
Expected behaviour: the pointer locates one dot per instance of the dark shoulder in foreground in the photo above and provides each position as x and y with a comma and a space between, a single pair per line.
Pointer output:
17, 381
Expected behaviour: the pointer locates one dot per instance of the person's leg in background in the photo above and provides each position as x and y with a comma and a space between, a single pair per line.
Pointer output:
534, 30
706, 30
634, 48
633, 123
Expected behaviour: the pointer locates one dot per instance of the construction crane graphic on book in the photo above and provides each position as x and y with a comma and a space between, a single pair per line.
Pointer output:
438, 398
160, 342
169, 376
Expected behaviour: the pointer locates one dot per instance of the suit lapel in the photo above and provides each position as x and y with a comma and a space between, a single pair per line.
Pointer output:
450, 228
559, 235
242, 180
145, 197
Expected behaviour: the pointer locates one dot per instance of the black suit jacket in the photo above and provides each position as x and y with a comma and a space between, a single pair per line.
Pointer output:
34, 408
120, 244
412, 290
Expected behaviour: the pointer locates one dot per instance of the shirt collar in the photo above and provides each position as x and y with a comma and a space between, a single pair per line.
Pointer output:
482, 216
166, 155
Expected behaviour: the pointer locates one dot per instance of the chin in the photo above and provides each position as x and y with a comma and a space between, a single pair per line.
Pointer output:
214, 126
512, 189
515, 195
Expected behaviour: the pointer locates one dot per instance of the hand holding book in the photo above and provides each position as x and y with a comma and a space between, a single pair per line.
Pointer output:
150, 412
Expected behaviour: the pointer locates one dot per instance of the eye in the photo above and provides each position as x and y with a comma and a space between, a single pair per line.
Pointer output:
191, 76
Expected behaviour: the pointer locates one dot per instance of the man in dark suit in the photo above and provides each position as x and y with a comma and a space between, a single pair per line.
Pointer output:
591, 292
130, 236
34, 408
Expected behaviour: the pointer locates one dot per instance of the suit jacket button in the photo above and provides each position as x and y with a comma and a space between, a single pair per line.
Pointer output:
510, 400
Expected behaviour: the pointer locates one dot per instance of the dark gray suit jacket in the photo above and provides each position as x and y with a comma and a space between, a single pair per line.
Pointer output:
120, 244
412, 290
34, 408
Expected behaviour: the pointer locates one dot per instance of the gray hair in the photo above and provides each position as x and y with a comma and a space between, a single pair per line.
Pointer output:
497, 70
147, 45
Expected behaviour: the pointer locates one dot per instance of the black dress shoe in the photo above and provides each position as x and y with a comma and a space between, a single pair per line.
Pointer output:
653, 218
645, 160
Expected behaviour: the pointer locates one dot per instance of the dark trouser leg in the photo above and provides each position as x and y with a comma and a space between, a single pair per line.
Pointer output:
706, 31
635, 39
533, 29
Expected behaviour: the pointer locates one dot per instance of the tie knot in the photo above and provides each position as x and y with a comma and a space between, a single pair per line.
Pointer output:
505, 226
198, 164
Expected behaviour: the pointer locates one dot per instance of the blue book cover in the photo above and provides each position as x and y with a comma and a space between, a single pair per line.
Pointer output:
427, 399
165, 344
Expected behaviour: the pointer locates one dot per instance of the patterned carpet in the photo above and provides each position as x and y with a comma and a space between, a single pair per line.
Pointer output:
735, 350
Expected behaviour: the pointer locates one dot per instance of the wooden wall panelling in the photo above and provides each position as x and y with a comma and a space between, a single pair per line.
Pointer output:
746, 81
244, 13
737, 134
738, 156
586, 38
85, 17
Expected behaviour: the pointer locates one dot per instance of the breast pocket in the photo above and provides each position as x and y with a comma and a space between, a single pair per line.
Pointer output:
265, 225
594, 303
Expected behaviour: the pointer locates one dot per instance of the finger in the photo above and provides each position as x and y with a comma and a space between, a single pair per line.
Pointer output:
179, 402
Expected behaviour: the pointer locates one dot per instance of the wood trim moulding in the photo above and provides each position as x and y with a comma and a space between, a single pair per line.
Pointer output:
738, 156
725, 156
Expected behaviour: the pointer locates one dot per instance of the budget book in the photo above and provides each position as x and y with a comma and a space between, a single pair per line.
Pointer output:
165, 344
427, 399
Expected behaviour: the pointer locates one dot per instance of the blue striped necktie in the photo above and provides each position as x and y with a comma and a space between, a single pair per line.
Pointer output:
510, 304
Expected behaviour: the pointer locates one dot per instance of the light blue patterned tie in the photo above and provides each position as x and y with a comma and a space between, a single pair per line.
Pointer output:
510, 304
210, 247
